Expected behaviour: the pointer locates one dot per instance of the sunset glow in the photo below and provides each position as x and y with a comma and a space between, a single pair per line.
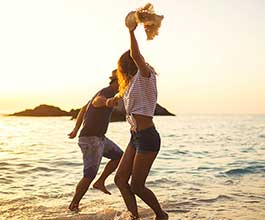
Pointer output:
209, 54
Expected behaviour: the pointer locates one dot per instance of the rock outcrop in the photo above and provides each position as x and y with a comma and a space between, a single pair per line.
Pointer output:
42, 111
118, 113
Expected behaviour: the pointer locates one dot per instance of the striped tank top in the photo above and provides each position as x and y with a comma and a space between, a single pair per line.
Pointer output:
140, 97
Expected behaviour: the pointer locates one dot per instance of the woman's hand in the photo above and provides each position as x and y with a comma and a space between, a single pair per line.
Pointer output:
130, 21
132, 28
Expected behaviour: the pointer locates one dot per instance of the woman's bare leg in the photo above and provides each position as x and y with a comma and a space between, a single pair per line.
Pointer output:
122, 177
141, 167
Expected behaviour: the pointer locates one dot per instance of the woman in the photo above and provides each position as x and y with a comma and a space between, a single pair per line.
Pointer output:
137, 86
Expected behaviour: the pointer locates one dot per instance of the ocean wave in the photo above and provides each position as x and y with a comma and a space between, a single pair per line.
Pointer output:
262, 136
25, 212
164, 180
56, 208
4, 180
67, 163
208, 168
246, 170
53, 196
229, 182
248, 149
4, 164
38, 169
181, 152
24, 165
218, 198
106, 214
171, 135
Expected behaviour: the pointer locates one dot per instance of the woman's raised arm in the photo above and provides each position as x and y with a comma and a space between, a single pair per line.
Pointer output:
136, 55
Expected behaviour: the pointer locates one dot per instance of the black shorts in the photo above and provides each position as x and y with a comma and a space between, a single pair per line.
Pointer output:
145, 140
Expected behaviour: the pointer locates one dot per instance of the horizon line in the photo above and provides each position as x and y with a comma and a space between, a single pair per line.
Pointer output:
176, 114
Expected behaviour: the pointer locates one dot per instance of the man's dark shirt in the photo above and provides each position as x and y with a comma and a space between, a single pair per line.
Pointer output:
96, 120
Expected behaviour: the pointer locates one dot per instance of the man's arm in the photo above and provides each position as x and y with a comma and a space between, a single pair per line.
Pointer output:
102, 101
79, 121
99, 101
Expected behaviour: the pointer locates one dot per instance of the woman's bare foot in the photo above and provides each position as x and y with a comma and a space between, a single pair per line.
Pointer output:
163, 216
100, 186
74, 207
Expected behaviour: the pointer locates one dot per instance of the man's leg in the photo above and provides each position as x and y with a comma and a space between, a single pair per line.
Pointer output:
109, 168
92, 149
80, 191
113, 152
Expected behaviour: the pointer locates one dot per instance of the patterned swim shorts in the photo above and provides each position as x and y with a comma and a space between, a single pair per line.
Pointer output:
93, 149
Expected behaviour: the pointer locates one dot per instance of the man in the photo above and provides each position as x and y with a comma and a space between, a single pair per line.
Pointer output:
95, 117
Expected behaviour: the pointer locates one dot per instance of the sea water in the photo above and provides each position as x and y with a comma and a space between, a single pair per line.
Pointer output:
210, 167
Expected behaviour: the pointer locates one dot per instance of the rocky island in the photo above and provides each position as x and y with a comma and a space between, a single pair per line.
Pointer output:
44, 110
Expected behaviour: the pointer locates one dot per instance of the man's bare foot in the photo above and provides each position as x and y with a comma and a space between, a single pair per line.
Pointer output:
164, 216
100, 186
74, 207
134, 217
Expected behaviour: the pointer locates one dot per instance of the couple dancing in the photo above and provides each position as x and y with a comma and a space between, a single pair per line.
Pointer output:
135, 82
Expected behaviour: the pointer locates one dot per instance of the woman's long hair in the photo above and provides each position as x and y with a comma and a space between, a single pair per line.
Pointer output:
125, 71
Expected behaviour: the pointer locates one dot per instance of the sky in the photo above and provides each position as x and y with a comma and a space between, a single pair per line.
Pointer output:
210, 54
